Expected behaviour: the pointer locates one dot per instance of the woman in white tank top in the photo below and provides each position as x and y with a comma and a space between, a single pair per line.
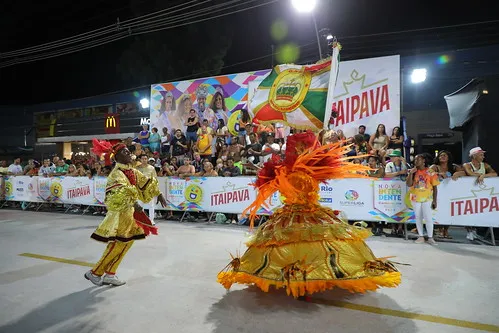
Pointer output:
379, 141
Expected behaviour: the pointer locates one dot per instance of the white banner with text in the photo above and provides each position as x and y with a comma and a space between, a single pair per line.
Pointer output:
367, 93
460, 202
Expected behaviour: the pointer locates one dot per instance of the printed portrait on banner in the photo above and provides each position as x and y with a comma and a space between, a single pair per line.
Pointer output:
214, 99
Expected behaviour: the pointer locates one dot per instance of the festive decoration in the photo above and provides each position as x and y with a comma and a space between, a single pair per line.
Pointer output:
304, 247
305, 165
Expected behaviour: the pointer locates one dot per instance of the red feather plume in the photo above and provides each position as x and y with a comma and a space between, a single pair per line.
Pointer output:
268, 172
297, 144
101, 147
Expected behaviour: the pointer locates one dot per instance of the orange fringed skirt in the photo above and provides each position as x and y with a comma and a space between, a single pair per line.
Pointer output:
308, 250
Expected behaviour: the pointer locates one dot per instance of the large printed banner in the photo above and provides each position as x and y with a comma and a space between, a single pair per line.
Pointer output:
213, 98
368, 93
212, 194
67, 190
22, 188
460, 202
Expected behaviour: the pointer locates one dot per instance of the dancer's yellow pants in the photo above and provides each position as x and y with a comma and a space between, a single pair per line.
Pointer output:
111, 258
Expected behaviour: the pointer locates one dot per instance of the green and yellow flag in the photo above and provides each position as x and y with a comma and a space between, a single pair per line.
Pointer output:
297, 95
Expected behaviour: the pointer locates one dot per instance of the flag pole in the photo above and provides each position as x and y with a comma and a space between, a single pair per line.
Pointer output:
317, 35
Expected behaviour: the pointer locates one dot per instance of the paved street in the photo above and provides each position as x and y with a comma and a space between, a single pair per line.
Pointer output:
171, 285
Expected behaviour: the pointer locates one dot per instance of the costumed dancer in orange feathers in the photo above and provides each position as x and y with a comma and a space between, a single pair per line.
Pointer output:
125, 220
304, 247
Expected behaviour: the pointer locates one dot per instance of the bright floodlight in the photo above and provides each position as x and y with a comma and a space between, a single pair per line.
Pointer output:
329, 37
304, 6
144, 102
418, 75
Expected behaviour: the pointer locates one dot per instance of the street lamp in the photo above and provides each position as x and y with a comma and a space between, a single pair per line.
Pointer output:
307, 6
418, 75
304, 6
144, 102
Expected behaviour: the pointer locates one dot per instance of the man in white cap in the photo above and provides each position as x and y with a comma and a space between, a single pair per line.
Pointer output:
477, 167
397, 167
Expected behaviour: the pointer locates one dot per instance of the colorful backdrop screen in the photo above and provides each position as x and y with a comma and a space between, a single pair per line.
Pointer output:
171, 102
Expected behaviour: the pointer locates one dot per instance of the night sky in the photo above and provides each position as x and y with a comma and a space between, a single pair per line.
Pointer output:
234, 43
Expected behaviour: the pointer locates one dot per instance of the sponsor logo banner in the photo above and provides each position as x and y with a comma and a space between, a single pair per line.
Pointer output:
389, 197
367, 93
460, 202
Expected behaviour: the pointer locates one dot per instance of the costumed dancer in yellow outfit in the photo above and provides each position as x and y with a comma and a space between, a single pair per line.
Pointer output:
125, 220
304, 247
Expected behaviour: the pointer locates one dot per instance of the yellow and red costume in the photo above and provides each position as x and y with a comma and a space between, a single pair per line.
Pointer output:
304, 247
122, 224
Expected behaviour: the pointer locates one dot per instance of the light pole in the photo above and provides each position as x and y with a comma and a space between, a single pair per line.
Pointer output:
317, 35
307, 6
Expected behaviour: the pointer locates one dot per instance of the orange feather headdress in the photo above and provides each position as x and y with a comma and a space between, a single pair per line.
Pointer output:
305, 158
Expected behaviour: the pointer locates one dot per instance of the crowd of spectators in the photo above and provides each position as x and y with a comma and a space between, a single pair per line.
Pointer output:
209, 152
203, 151
80, 166
212, 150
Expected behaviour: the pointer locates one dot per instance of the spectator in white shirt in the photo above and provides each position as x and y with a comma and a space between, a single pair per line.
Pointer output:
397, 170
270, 148
15, 168
397, 167
477, 167
47, 169
248, 131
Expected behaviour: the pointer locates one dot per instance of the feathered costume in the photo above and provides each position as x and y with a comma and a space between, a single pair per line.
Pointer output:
304, 247
122, 224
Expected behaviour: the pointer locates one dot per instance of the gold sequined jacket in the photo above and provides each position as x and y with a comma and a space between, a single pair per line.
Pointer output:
125, 185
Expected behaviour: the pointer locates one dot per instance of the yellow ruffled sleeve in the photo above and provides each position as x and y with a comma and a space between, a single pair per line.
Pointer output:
148, 188
120, 195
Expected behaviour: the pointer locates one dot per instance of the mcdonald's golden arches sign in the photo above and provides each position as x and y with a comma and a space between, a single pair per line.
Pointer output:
112, 123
